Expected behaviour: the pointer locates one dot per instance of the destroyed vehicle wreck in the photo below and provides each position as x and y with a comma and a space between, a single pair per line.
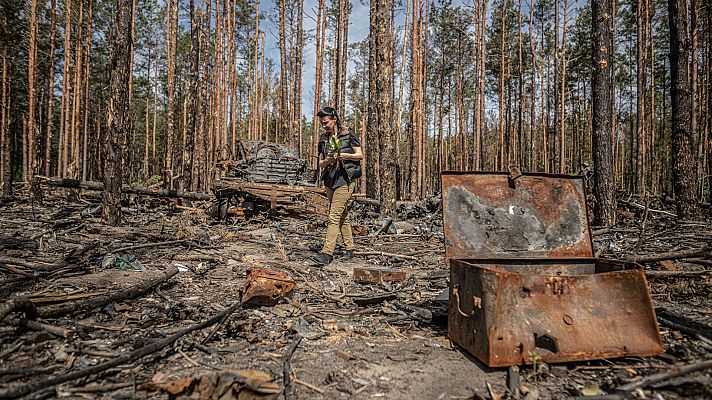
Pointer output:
266, 177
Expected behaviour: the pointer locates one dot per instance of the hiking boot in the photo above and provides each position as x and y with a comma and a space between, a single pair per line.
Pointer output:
322, 258
348, 255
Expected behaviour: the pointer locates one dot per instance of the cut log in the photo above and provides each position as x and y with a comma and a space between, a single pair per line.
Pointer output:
18, 304
98, 186
100, 301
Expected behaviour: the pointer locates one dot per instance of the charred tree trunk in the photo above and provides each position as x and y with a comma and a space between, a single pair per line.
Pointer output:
32, 134
50, 91
5, 156
119, 117
682, 168
380, 102
602, 18
283, 130
171, 45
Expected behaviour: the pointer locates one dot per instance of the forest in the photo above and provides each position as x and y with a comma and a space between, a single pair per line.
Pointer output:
441, 85
532, 222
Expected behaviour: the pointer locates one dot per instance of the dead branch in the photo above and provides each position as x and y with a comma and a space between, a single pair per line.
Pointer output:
143, 246
39, 326
384, 254
702, 252
127, 358
674, 373
100, 301
287, 379
18, 304
678, 273
98, 186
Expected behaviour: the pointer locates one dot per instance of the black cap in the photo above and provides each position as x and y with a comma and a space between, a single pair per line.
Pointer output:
326, 111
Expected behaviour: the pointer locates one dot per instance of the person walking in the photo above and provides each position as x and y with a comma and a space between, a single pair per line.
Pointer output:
340, 158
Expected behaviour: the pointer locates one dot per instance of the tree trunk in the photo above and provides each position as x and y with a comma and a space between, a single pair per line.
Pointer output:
63, 124
5, 150
171, 45
380, 99
192, 100
682, 167
602, 32
87, 63
283, 131
119, 117
32, 135
50, 91
319, 37
298, 61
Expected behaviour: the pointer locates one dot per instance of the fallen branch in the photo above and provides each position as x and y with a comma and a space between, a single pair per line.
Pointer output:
39, 326
656, 378
384, 254
98, 186
386, 223
287, 379
18, 304
100, 301
32, 387
702, 252
146, 245
677, 273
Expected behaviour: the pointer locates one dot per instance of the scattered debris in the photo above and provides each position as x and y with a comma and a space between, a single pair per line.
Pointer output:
376, 275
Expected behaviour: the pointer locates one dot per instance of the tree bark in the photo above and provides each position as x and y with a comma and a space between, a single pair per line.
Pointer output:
603, 182
682, 170
50, 91
171, 45
33, 135
6, 156
380, 100
283, 131
119, 117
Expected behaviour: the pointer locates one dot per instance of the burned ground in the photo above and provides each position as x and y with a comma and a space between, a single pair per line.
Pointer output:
100, 293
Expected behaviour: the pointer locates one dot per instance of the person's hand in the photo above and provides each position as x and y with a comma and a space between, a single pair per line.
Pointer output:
331, 159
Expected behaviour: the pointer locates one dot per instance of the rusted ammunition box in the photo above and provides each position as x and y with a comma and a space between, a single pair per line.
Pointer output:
524, 285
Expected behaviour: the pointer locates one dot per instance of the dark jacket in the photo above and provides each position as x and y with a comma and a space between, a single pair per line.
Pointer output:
351, 168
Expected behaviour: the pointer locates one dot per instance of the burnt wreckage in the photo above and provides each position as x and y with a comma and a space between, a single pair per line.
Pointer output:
266, 177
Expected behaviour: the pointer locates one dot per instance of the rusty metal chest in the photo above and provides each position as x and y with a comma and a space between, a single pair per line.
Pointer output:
524, 285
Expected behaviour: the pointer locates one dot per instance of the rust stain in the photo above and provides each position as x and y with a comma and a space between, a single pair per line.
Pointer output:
266, 287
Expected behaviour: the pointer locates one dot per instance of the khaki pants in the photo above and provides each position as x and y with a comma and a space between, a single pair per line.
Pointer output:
339, 205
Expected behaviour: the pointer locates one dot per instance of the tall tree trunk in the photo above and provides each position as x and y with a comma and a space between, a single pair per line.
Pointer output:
87, 63
603, 179
501, 164
50, 91
562, 101
188, 155
5, 150
641, 77
319, 37
682, 167
171, 45
147, 139
119, 116
339, 54
32, 135
64, 113
298, 61
283, 131
380, 99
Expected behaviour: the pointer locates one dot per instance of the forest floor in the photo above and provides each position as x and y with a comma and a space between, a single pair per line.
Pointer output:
100, 296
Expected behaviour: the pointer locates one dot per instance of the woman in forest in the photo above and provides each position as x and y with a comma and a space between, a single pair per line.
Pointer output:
340, 157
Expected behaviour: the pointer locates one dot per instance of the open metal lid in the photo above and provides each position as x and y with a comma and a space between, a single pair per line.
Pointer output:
495, 215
